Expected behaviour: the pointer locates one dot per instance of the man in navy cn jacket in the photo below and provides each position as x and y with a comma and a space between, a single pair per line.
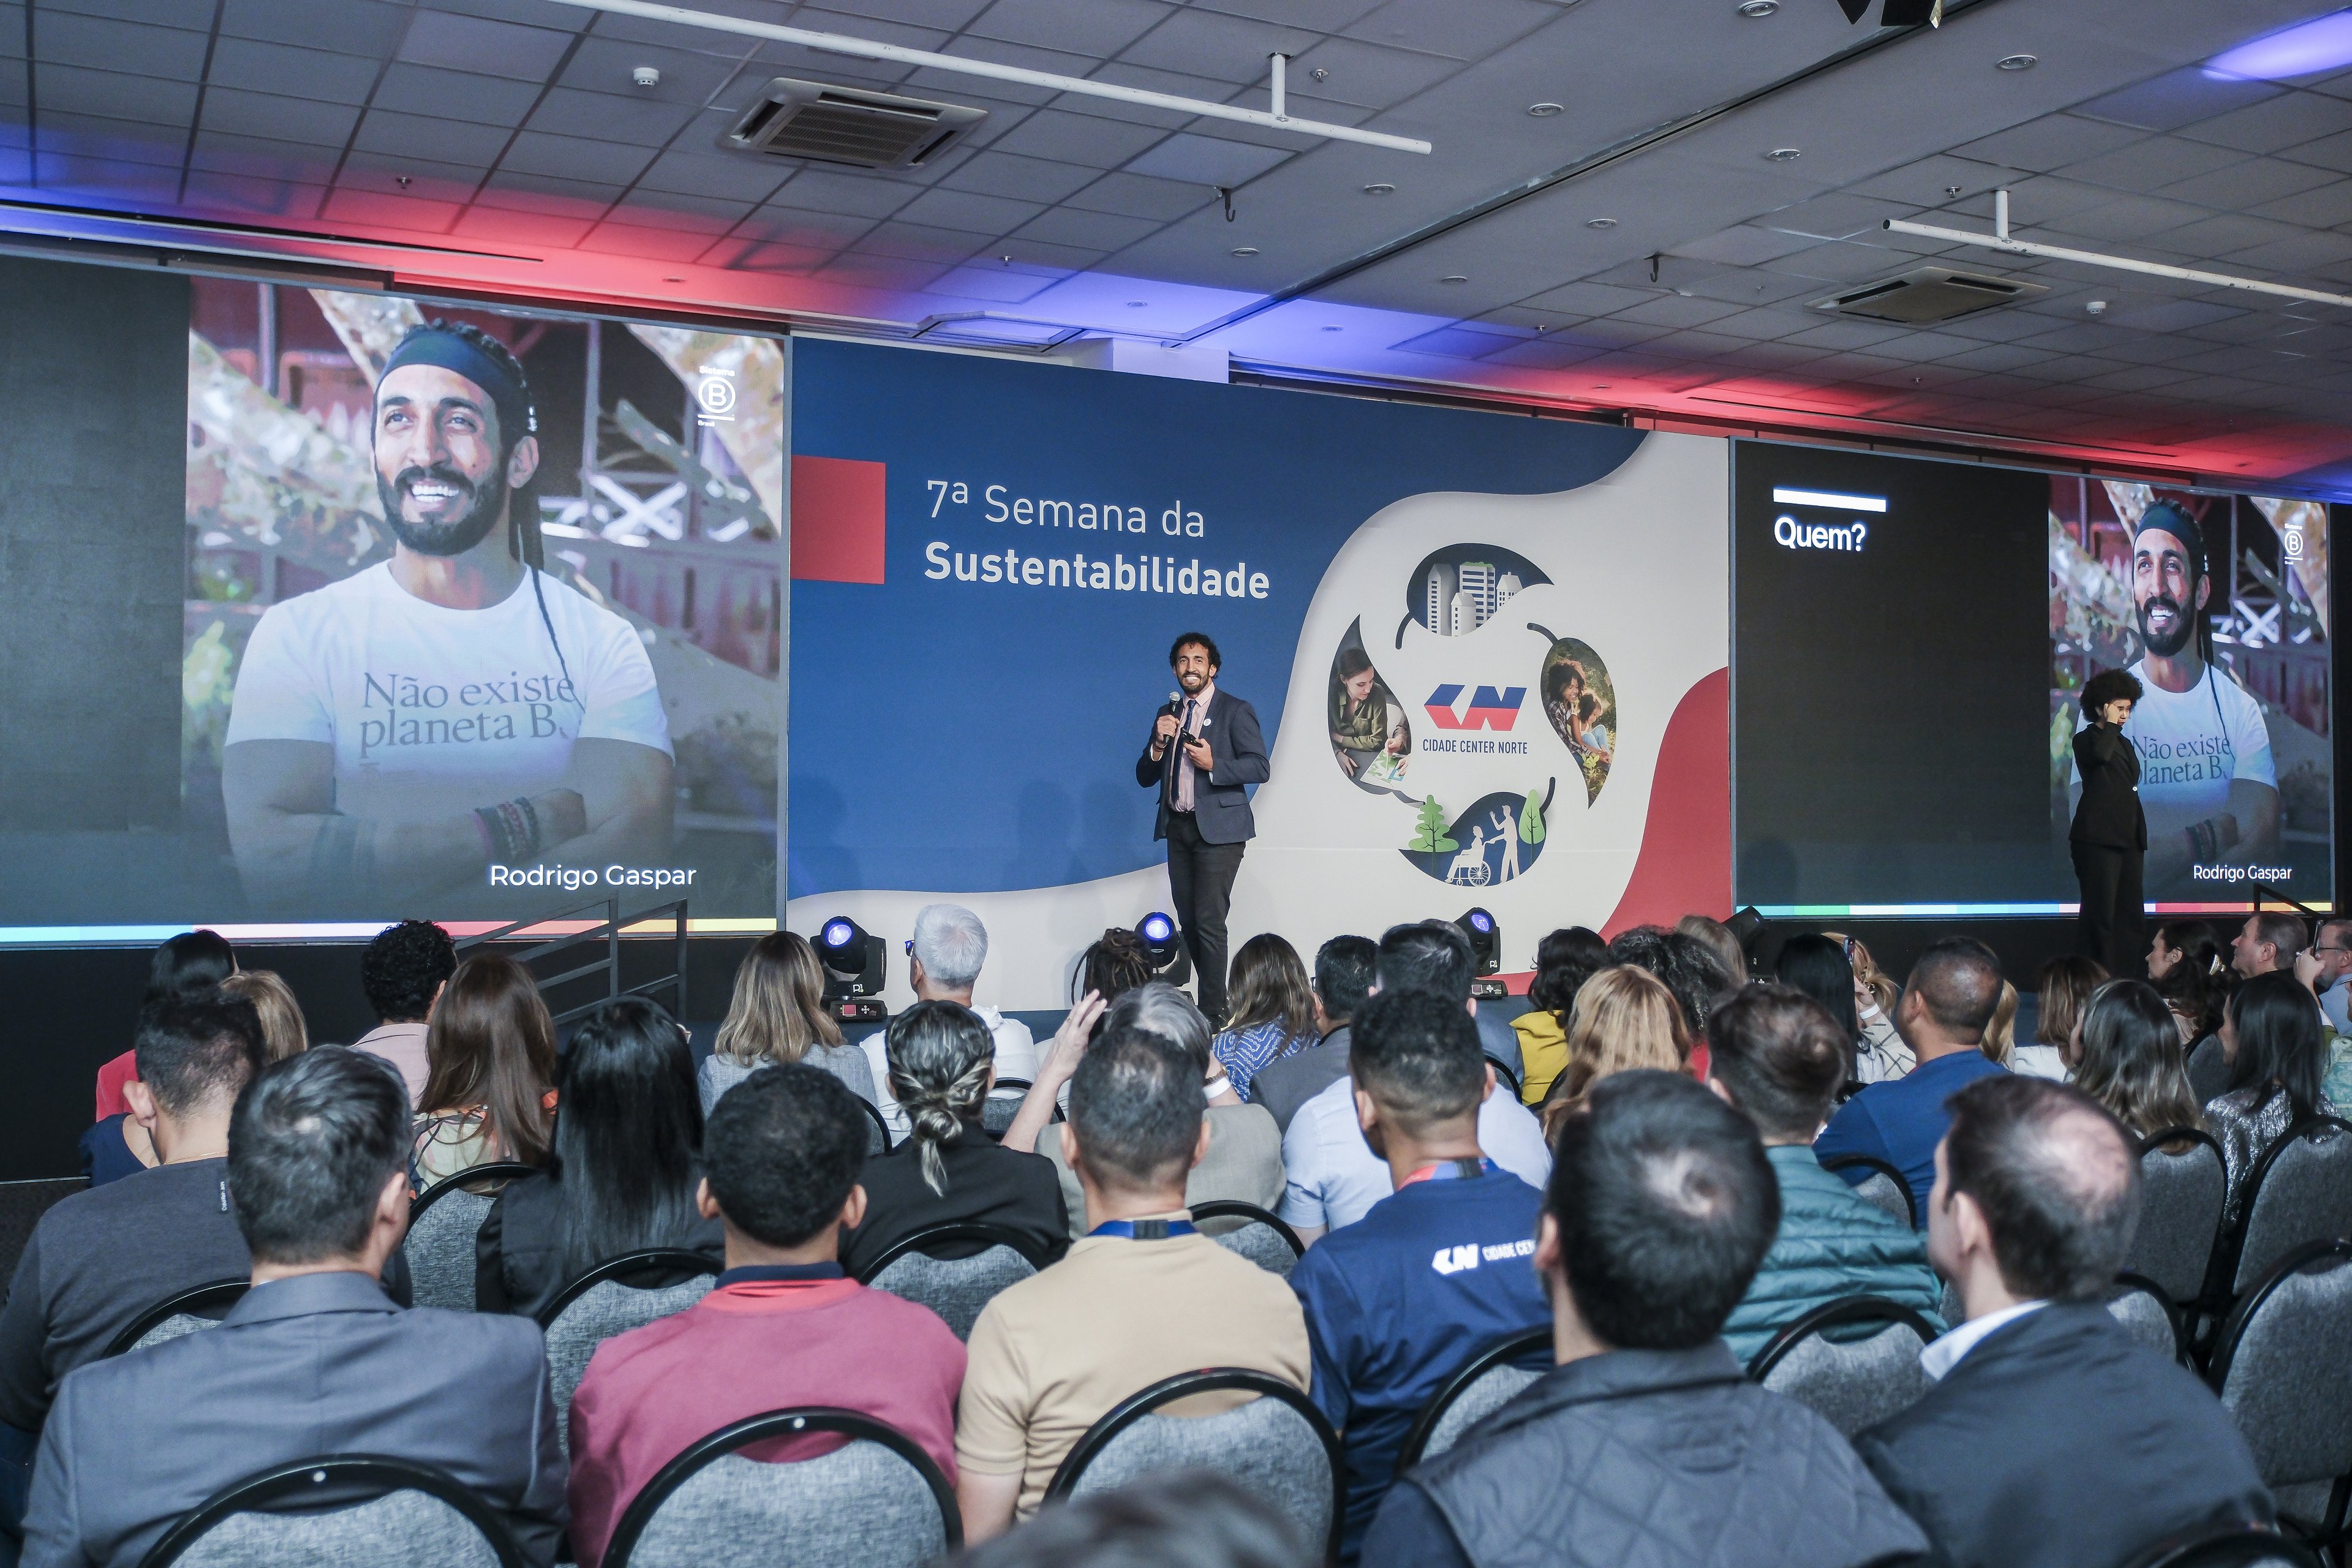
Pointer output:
1204, 781
2052, 1438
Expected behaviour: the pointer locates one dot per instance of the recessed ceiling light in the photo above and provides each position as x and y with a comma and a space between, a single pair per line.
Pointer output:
1600, 223
1785, 154
1543, 110
1756, 10
1380, 189
1951, 190
1453, 277
1245, 250
2017, 62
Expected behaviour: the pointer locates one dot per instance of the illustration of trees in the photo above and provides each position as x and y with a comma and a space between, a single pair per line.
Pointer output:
1531, 820
1429, 837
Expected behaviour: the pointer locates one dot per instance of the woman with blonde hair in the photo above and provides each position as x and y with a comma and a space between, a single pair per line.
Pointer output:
2063, 990
282, 1031
1624, 1018
2126, 1055
490, 1052
1880, 1053
1999, 1041
777, 1014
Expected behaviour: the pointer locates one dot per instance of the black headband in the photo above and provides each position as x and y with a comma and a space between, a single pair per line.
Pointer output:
2172, 517
453, 351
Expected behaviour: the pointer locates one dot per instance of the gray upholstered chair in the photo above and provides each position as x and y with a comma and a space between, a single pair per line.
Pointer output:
2281, 1369
1883, 1188
878, 1501
1491, 1380
1277, 1446
2182, 1182
2147, 1310
1256, 1234
600, 1304
442, 1224
187, 1313
1003, 1104
393, 1513
2300, 1191
955, 1270
2239, 1547
1855, 1360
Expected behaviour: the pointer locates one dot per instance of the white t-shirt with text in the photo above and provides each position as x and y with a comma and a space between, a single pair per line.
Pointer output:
433, 710
2191, 745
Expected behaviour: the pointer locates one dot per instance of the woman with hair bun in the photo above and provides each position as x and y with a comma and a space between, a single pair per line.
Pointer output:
941, 1062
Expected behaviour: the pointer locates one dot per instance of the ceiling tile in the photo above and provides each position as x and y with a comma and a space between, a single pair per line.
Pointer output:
506, 226
117, 96
921, 242
1675, 310
2287, 120
1136, 195
878, 272
2177, 98
299, 73
93, 136
573, 158
639, 121
474, 44
425, 136
141, 183
528, 192
743, 175
2327, 152
2302, 253
2152, 164
668, 244
1745, 246
349, 26
1080, 139
998, 173
454, 95
1449, 28
2325, 207
61, 37
260, 198
773, 225
2224, 233
969, 211
1206, 160
1098, 27
826, 191
1366, 74
299, 119
2133, 217
1550, 352
2050, 143
432, 181
1220, 47
258, 158
948, 13
378, 210
1098, 231
1314, 15
995, 283
2243, 184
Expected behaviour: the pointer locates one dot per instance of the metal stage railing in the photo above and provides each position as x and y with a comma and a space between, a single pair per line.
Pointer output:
2263, 889
608, 932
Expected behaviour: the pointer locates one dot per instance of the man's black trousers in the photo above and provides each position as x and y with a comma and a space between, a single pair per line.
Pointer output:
1200, 880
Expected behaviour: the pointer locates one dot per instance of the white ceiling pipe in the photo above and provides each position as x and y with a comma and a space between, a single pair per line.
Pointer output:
866, 49
2000, 240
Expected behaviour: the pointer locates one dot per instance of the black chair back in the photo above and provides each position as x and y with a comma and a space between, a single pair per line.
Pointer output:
202, 1307
1256, 1444
2148, 1311
2184, 1184
1503, 1074
2300, 1191
1849, 1373
2281, 1368
1492, 1379
307, 1484
1254, 1233
955, 1268
2237, 1546
878, 1129
443, 1222
812, 1513
1883, 1188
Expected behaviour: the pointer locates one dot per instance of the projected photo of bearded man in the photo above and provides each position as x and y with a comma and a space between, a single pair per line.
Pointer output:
454, 709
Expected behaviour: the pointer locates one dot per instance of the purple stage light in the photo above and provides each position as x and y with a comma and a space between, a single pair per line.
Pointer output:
2323, 44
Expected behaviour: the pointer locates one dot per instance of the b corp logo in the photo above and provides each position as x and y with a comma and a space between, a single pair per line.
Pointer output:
716, 391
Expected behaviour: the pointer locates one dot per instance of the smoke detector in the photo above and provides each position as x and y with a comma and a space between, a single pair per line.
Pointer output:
1928, 294
864, 128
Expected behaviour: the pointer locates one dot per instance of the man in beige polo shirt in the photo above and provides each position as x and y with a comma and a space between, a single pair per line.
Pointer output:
1143, 1298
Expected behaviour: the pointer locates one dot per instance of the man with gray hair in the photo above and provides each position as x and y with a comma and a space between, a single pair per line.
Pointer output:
943, 960
315, 1360
2036, 1197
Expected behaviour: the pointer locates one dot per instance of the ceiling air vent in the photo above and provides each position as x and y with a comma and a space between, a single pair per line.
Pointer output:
1929, 294
850, 125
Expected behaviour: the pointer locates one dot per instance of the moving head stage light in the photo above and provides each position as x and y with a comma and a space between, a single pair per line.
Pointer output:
856, 964
1169, 962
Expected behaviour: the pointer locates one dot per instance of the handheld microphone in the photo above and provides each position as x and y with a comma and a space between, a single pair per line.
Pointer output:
1175, 700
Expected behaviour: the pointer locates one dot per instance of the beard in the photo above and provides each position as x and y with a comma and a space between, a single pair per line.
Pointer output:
454, 536
1190, 681
2169, 643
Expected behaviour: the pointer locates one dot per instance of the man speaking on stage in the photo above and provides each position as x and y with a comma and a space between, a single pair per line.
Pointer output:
1205, 809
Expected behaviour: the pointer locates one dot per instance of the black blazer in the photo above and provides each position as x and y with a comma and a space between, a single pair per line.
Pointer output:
2059, 1441
2108, 813
1221, 806
519, 1265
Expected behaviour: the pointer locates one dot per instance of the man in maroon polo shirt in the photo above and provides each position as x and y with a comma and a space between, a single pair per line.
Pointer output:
784, 1326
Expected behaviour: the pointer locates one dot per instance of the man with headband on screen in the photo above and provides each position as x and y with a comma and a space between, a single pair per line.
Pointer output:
2207, 780
416, 727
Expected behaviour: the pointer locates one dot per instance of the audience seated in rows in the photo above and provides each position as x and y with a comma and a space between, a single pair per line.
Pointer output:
98, 1259
1777, 1059
1646, 1443
1273, 1012
777, 1014
624, 1162
1243, 1161
943, 963
1625, 1020
316, 1359
1143, 1298
2052, 1438
1564, 961
1193, 1518
2127, 1054
2278, 1068
1330, 1177
939, 1057
120, 1146
1730, 958
489, 1091
192, 960
1436, 1272
784, 1326
402, 970
2267, 944
1947, 1004
1818, 965
1344, 972
2062, 991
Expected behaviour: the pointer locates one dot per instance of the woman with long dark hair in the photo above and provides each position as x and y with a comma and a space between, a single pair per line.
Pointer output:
1822, 966
2278, 1061
777, 1014
625, 1158
489, 1091
942, 1059
2127, 1054
2191, 971
1564, 961
1273, 1010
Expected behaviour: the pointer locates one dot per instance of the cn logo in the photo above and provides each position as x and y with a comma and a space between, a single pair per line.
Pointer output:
1454, 1259
1488, 708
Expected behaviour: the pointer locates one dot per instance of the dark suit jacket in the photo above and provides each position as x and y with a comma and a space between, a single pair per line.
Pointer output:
317, 1364
2109, 811
1221, 806
2061, 1442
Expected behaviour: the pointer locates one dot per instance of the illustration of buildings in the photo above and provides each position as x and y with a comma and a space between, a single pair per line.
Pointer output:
1442, 586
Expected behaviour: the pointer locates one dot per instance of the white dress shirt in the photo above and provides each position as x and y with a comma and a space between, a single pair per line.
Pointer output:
1941, 1356
1331, 1177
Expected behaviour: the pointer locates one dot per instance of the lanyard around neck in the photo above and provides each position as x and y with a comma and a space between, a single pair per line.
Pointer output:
1450, 1171
1144, 1229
